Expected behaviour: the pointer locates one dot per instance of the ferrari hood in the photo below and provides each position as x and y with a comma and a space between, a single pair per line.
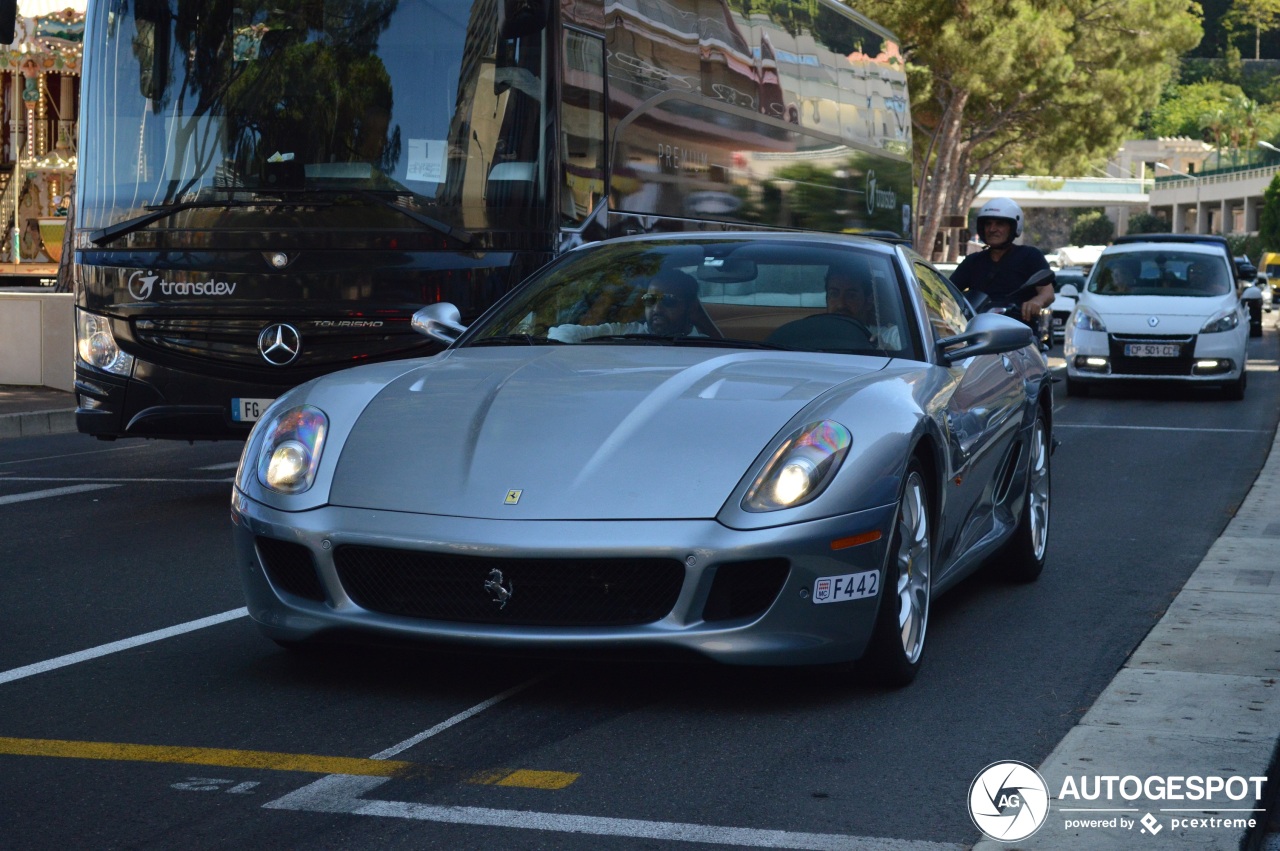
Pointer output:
577, 432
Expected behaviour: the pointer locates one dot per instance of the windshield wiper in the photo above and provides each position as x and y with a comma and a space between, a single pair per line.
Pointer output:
462, 236
507, 339
684, 340
157, 212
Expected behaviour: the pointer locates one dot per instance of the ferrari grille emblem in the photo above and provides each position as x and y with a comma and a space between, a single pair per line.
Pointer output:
497, 590
513, 496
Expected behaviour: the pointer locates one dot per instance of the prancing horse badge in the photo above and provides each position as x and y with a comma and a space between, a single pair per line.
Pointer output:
513, 497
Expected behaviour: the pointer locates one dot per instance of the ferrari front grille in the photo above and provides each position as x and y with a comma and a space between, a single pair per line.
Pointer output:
525, 592
290, 568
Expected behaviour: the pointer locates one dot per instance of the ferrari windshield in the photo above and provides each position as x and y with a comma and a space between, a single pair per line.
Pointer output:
757, 293
207, 100
1171, 273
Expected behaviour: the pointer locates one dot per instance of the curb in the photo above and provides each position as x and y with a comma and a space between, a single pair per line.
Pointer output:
1200, 696
33, 423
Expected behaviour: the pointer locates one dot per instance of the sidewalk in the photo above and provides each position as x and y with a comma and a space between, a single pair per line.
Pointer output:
1200, 697
29, 411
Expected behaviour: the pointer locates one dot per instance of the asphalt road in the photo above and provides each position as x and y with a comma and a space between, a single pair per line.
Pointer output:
214, 737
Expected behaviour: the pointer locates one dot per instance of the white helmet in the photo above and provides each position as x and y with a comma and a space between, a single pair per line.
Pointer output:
1001, 208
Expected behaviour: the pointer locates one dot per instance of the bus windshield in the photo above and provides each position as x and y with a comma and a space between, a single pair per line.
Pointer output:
212, 100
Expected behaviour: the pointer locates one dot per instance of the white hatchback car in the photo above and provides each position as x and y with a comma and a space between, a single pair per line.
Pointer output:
1163, 311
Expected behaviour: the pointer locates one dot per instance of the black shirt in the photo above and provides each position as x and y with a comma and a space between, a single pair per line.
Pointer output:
979, 272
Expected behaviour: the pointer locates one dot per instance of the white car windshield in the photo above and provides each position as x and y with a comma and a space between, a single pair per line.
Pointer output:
1171, 273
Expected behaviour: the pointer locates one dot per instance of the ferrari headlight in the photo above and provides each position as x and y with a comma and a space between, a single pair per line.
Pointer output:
290, 451
1086, 320
97, 347
1224, 321
800, 469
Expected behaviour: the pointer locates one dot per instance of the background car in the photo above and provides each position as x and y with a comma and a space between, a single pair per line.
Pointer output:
759, 478
1064, 302
1166, 311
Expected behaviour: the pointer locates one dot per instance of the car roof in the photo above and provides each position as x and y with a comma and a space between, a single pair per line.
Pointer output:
1211, 238
1206, 248
836, 240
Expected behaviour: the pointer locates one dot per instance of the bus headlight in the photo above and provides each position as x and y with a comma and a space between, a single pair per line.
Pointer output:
291, 445
96, 346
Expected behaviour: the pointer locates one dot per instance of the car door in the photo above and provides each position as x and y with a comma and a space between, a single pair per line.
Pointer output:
983, 415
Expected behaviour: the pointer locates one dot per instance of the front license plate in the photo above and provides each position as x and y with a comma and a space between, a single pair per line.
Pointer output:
249, 410
851, 586
1152, 350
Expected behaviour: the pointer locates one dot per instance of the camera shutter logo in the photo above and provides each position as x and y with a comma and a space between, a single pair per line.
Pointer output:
279, 344
1008, 801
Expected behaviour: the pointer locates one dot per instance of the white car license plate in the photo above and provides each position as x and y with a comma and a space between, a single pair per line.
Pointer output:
249, 410
850, 586
1152, 350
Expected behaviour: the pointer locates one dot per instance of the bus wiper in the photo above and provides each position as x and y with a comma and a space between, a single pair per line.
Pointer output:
462, 236
157, 212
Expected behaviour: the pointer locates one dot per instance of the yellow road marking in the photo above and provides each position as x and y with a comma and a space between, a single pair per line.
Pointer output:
269, 760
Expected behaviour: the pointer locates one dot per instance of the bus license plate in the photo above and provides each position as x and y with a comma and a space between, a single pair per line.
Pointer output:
1152, 350
249, 410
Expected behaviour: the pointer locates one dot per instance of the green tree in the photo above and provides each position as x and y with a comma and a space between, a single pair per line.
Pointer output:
1269, 217
1147, 223
1027, 86
1092, 228
1257, 15
1181, 113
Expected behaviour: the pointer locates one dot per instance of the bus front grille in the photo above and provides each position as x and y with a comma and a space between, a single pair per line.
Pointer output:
332, 342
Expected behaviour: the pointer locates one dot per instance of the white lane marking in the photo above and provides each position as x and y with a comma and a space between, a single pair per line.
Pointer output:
1057, 425
457, 719
74, 454
340, 793
120, 479
117, 646
49, 493
230, 465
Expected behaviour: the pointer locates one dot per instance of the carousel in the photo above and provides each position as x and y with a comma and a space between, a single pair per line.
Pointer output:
38, 157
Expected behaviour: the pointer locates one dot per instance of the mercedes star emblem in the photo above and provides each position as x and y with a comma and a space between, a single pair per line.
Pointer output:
279, 344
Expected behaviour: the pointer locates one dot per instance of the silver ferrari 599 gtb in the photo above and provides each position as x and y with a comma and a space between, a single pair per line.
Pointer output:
760, 448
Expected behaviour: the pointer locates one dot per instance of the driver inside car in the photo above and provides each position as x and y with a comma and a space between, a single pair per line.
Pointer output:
850, 293
671, 309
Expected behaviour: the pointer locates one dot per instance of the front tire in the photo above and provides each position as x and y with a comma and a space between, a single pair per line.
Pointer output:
897, 640
1023, 557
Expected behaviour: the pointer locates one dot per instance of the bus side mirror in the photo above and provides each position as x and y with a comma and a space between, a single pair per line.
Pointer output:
151, 47
8, 20
517, 18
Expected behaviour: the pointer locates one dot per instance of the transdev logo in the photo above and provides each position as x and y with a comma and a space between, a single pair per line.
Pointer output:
1008, 801
143, 285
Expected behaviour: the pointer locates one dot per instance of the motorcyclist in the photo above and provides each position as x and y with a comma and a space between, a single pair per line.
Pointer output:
1003, 267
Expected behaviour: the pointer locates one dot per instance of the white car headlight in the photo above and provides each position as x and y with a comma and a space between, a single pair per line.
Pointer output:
801, 468
96, 345
290, 451
1086, 320
1224, 321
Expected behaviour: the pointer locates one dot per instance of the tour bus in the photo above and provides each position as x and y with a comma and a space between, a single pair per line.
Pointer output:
267, 191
